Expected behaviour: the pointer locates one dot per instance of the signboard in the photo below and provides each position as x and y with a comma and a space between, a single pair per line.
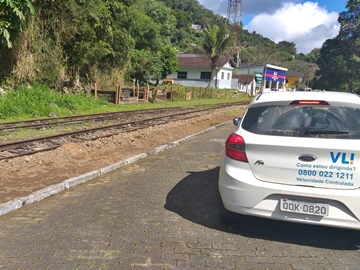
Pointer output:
259, 78
274, 75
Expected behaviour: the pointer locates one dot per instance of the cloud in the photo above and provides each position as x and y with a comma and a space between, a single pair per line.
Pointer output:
307, 25
217, 6
250, 7
255, 7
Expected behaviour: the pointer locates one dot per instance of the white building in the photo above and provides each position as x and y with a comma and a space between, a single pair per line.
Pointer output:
195, 70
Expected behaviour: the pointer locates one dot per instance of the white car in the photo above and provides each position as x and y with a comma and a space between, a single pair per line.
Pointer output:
293, 157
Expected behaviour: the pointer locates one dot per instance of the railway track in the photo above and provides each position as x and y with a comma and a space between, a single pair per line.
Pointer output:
101, 125
79, 119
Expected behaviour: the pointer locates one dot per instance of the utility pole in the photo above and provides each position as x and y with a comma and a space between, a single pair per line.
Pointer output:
234, 13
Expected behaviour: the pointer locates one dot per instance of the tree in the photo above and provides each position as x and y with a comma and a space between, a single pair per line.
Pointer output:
339, 59
183, 34
12, 15
152, 25
183, 19
350, 37
289, 47
147, 38
76, 43
260, 50
216, 43
160, 14
333, 74
102, 40
313, 56
164, 63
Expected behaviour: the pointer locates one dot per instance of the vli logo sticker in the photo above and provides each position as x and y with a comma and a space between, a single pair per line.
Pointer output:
345, 158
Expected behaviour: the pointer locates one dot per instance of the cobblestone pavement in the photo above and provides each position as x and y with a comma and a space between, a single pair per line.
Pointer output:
161, 213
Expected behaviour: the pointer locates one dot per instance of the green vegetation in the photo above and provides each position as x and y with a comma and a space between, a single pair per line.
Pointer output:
108, 42
41, 102
12, 16
69, 45
339, 58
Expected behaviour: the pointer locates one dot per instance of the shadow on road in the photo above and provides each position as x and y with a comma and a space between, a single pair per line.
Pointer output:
196, 198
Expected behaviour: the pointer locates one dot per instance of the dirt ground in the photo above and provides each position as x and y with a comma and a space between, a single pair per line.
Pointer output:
22, 176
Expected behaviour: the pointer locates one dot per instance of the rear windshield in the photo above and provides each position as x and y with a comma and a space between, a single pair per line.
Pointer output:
304, 121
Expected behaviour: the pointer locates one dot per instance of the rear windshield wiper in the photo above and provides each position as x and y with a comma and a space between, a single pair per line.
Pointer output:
324, 131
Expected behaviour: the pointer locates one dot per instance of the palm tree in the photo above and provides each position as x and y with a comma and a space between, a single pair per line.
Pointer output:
216, 43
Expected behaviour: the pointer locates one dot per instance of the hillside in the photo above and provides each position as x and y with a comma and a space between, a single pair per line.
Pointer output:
70, 44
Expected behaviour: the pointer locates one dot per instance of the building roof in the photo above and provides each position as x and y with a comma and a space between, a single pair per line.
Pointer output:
251, 66
276, 67
245, 78
295, 74
197, 60
257, 66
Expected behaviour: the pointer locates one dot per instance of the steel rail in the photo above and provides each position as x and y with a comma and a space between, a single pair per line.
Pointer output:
18, 148
68, 120
44, 122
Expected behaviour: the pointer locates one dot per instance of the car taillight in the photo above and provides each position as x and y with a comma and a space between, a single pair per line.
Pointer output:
309, 102
235, 148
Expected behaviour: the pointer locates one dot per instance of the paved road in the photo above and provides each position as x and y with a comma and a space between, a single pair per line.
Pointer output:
161, 213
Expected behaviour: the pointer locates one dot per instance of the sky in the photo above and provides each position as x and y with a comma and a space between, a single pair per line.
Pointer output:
306, 23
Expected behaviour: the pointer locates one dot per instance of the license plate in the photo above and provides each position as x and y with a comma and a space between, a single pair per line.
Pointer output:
310, 208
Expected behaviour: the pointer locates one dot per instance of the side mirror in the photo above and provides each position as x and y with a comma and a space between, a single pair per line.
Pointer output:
236, 121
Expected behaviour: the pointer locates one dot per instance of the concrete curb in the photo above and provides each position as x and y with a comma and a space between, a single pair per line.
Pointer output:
72, 182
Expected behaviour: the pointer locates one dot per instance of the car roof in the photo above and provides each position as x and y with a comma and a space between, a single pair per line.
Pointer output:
285, 97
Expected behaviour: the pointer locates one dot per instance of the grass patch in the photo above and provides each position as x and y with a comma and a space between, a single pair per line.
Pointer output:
41, 102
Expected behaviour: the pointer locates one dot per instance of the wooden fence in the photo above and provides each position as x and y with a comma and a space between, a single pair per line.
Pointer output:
147, 94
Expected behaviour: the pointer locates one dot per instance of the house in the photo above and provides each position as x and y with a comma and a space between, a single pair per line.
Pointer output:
196, 27
195, 70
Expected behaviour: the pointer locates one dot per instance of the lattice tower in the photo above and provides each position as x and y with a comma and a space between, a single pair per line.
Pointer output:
234, 12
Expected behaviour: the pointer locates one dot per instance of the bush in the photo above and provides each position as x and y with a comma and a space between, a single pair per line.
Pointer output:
40, 101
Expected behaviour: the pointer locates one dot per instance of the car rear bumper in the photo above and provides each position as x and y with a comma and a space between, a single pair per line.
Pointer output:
242, 193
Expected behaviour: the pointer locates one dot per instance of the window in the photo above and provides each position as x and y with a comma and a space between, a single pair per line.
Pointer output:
228, 76
182, 75
267, 84
222, 75
205, 75
304, 121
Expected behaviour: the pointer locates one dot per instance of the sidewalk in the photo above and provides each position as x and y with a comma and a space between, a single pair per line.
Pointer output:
72, 182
